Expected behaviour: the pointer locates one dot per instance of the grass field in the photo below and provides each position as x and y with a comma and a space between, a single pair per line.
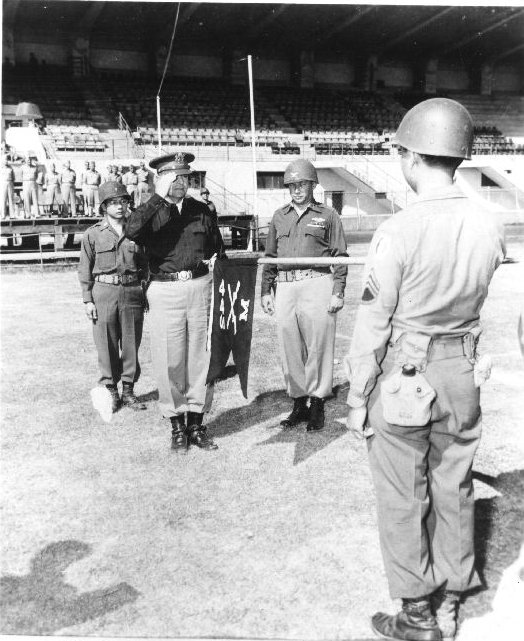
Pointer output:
105, 532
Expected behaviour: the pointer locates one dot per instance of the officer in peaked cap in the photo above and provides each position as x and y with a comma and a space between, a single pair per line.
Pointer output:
306, 300
110, 271
411, 373
180, 236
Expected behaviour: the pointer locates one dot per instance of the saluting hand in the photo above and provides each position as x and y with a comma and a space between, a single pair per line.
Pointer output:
164, 182
91, 312
267, 304
335, 304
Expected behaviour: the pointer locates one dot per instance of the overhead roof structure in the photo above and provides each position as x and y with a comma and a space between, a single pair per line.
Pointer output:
472, 33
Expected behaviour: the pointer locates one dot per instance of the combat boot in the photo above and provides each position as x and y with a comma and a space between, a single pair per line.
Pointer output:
413, 623
316, 421
179, 441
445, 606
197, 433
299, 413
115, 397
129, 399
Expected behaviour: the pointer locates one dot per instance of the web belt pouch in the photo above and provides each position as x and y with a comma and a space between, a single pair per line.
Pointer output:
412, 348
406, 394
407, 397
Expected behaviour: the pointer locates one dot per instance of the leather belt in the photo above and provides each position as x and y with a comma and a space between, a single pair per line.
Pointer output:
290, 275
185, 274
117, 279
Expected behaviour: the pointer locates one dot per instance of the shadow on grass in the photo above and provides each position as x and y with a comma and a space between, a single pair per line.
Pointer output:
42, 603
230, 371
499, 534
271, 406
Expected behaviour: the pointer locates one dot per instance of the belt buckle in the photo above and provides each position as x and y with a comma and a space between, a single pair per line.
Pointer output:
184, 275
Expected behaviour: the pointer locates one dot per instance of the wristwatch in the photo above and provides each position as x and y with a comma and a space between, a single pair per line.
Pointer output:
340, 295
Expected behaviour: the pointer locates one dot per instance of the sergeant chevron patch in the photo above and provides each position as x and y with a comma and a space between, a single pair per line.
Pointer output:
371, 288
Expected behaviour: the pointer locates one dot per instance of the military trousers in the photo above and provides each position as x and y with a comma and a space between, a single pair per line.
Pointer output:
30, 197
53, 195
91, 195
118, 331
69, 198
423, 482
306, 335
7, 197
179, 315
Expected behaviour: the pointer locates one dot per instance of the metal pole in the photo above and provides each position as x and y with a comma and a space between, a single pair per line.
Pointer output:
159, 131
253, 134
324, 261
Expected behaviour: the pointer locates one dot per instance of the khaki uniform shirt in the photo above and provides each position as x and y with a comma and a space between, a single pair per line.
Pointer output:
68, 177
427, 272
103, 251
316, 233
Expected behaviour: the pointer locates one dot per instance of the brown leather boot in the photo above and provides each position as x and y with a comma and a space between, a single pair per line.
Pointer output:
197, 434
179, 442
317, 419
413, 623
299, 413
115, 397
129, 399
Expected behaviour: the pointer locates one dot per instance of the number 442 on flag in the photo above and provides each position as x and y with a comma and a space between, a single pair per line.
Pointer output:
231, 319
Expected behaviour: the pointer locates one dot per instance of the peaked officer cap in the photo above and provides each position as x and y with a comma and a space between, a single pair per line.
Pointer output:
177, 163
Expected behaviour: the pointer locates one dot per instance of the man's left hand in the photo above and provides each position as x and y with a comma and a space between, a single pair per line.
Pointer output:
335, 304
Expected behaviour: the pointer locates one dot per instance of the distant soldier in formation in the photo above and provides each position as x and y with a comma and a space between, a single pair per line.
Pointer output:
29, 187
83, 186
412, 373
306, 299
40, 183
119, 173
143, 184
93, 180
130, 180
52, 182
110, 175
68, 189
8, 191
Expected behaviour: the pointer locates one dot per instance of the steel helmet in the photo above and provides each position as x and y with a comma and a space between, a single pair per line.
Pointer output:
300, 170
111, 189
437, 127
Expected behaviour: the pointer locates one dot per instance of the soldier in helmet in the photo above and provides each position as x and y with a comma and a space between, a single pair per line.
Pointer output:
180, 237
411, 373
204, 193
305, 300
110, 271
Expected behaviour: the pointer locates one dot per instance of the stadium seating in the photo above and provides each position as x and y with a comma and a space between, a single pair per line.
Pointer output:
212, 113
